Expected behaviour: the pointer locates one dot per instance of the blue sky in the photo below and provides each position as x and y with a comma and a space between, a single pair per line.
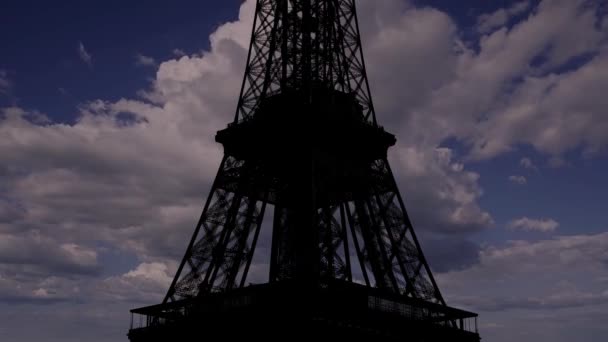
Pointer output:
40, 33
108, 112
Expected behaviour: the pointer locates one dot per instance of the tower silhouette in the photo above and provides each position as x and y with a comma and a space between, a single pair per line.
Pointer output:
305, 144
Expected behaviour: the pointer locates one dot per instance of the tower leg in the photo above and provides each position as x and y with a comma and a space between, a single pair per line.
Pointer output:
221, 248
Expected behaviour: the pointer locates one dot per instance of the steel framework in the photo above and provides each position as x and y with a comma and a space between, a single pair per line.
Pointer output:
305, 140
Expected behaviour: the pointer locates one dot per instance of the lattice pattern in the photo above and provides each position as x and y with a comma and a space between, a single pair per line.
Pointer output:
299, 44
334, 255
221, 250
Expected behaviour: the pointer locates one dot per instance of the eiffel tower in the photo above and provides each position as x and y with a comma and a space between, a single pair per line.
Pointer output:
305, 147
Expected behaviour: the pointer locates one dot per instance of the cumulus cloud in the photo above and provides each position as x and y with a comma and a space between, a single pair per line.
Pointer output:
46, 255
488, 22
18, 288
178, 52
534, 225
508, 91
131, 174
439, 193
410, 53
569, 112
99, 178
145, 61
527, 163
520, 180
562, 272
134, 174
84, 55
148, 282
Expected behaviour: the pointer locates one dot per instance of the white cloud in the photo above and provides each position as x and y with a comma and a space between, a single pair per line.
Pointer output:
156, 272
555, 113
41, 293
562, 272
139, 184
17, 287
146, 61
45, 254
534, 225
527, 163
504, 94
85, 56
488, 22
148, 282
134, 174
548, 289
410, 53
440, 195
178, 52
520, 180
100, 174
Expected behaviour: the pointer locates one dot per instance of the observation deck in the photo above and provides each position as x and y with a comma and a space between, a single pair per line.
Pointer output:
284, 310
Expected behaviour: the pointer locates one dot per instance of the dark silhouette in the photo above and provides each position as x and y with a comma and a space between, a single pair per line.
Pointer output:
305, 140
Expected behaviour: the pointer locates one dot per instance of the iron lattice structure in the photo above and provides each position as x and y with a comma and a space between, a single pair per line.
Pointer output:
296, 43
301, 47
305, 142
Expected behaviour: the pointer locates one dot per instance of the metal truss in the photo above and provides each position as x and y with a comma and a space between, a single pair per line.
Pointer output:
221, 250
386, 250
298, 46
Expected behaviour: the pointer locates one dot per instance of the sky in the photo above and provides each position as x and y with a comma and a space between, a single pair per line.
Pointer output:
108, 113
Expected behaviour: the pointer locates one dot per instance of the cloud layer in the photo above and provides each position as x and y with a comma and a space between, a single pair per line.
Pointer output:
133, 174
536, 225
